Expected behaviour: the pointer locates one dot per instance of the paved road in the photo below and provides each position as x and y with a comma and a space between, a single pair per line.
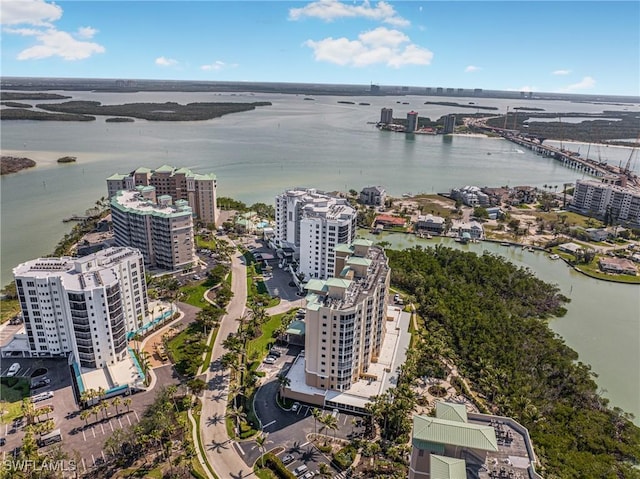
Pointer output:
222, 453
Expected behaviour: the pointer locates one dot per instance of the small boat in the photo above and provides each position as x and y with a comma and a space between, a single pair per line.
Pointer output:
554, 256
504, 243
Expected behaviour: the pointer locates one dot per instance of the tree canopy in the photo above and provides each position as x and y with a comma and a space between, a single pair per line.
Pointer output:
489, 318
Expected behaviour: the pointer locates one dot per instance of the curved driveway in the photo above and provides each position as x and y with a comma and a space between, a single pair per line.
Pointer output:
220, 450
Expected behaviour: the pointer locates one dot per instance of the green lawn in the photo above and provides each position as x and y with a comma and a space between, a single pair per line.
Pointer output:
12, 391
260, 346
205, 243
8, 309
186, 350
193, 294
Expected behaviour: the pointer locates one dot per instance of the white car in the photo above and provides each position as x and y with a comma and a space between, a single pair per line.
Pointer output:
270, 360
295, 407
42, 396
13, 370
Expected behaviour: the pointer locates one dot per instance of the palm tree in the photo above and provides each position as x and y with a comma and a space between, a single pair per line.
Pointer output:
28, 410
84, 416
284, 382
115, 403
104, 405
237, 415
127, 402
95, 410
261, 442
317, 414
331, 422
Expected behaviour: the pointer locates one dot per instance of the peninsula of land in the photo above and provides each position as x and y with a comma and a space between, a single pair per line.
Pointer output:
12, 164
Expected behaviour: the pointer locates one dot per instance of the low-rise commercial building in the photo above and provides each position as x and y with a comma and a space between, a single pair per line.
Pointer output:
456, 444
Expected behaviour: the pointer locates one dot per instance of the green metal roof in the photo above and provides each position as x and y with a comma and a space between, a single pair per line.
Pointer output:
296, 327
315, 285
357, 260
165, 169
455, 433
451, 411
339, 282
142, 169
184, 170
313, 302
207, 176
443, 467
362, 242
344, 248
117, 176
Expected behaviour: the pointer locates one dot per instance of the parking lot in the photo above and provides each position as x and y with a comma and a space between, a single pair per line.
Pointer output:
292, 430
86, 437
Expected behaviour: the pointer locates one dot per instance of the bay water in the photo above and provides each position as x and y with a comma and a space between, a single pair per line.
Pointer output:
327, 145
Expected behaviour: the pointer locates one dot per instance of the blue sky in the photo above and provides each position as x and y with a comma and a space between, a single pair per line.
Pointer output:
590, 47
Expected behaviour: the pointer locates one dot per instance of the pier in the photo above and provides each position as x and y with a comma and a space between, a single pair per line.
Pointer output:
75, 218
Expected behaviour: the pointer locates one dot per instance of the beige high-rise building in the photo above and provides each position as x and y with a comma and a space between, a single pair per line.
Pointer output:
179, 183
345, 317
160, 229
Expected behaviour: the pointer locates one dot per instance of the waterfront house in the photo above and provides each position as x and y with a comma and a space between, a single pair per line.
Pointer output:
617, 266
430, 224
597, 234
373, 196
473, 228
389, 221
571, 248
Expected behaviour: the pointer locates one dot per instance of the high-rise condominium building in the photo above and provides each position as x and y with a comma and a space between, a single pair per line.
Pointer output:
412, 121
386, 115
620, 204
85, 306
162, 231
449, 124
179, 183
314, 223
345, 317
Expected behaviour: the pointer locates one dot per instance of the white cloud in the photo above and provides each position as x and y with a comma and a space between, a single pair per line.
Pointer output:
218, 65
586, 83
561, 72
86, 32
32, 12
34, 18
166, 62
380, 45
471, 69
54, 43
330, 10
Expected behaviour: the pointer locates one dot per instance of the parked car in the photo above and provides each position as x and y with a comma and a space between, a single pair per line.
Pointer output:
270, 360
13, 370
295, 407
308, 475
298, 471
3, 441
42, 396
40, 383
288, 458
275, 352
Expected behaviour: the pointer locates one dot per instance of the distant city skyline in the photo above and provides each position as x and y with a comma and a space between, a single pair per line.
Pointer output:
574, 47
